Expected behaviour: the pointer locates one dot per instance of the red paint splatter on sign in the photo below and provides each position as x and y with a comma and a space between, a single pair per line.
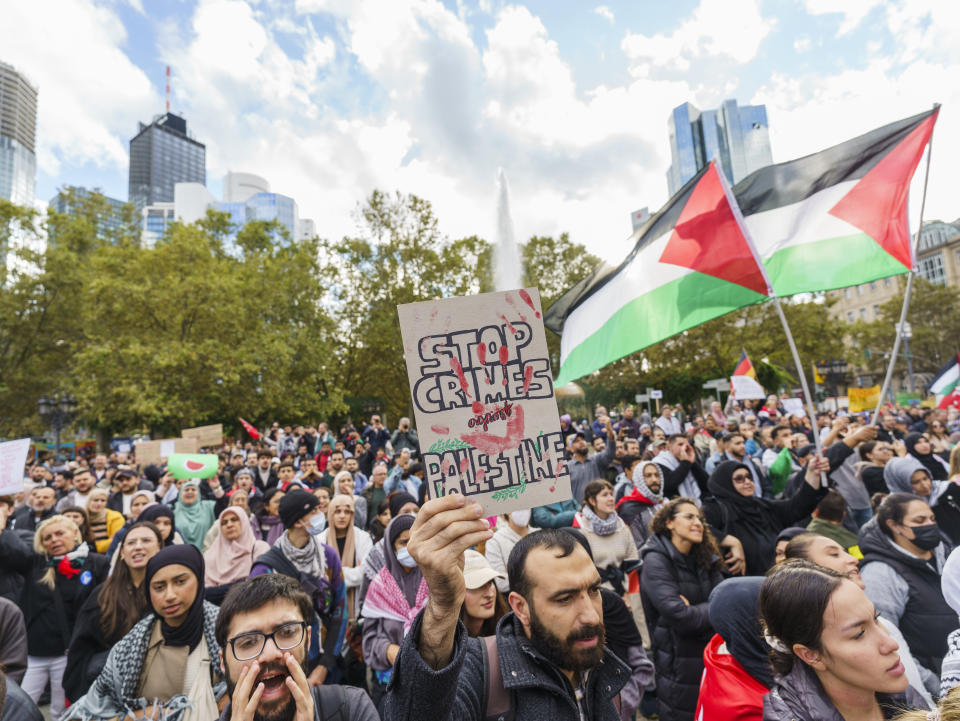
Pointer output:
527, 377
477, 407
482, 353
458, 369
464, 465
526, 299
480, 473
509, 324
442, 430
491, 444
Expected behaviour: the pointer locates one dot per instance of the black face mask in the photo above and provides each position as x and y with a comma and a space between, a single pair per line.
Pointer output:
926, 537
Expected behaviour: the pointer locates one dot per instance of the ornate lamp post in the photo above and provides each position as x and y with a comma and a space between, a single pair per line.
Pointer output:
57, 412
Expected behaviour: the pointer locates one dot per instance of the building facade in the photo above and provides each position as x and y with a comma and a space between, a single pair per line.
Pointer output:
938, 261
163, 154
71, 198
737, 137
18, 137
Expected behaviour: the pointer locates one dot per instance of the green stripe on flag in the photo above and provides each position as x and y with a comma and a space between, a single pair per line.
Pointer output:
830, 264
655, 316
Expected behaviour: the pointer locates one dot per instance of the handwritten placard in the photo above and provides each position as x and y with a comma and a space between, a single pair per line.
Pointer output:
207, 436
156, 452
483, 398
13, 457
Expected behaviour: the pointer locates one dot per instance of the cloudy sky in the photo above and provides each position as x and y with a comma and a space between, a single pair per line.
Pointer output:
329, 99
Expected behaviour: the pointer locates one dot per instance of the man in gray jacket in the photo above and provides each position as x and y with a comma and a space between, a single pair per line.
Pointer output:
583, 469
549, 659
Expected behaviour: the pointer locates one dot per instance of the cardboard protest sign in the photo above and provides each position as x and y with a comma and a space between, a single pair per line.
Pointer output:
13, 456
193, 465
206, 435
158, 451
794, 407
745, 388
483, 398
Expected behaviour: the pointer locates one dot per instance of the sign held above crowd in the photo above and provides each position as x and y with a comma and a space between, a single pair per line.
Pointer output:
483, 397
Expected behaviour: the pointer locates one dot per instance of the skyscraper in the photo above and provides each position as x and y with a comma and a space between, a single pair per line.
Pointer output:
162, 154
737, 137
18, 135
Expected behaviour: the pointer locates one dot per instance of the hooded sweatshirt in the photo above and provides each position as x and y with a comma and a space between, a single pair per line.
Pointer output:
944, 496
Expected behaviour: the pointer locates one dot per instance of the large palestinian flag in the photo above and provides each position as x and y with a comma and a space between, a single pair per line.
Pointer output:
946, 385
690, 263
838, 217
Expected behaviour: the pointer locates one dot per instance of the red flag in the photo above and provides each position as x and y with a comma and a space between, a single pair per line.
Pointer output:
254, 433
951, 399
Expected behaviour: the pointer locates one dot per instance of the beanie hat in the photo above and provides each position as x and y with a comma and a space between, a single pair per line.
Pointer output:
295, 505
397, 501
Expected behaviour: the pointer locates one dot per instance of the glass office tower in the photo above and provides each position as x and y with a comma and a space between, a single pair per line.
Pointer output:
162, 154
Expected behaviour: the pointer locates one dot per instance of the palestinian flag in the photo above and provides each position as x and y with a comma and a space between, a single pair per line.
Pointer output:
838, 217
193, 465
691, 262
947, 384
254, 433
744, 366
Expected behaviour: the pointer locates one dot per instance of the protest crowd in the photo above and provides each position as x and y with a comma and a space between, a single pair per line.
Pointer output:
709, 565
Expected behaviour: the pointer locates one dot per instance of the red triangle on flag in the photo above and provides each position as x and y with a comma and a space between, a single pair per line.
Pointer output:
877, 204
952, 400
709, 238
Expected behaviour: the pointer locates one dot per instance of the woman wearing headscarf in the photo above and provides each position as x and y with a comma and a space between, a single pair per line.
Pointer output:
350, 543
639, 506
161, 515
104, 523
140, 500
395, 596
111, 610
344, 484
168, 665
59, 574
231, 556
736, 669
193, 515
918, 446
735, 511
910, 475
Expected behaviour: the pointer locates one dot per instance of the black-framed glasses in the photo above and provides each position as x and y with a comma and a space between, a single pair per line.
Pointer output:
247, 646
742, 478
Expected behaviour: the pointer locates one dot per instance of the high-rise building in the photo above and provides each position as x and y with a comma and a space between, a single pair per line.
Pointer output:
18, 135
737, 137
163, 154
71, 198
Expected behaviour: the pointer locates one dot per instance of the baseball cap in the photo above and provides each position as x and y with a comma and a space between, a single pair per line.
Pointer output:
477, 572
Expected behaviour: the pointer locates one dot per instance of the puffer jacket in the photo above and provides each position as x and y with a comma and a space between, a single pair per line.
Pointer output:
798, 696
678, 632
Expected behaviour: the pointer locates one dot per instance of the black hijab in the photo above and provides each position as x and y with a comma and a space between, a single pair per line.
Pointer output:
154, 512
733, 613
721, 487
937, 470
190, 631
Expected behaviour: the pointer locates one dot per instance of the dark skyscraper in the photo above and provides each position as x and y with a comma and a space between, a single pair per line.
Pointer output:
162, 155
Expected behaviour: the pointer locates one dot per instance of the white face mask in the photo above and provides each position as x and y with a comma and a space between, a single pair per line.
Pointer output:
317, 524
520, 518
405, 559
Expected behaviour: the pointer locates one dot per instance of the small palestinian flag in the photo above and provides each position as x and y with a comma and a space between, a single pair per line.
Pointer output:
838, 217
744, 366
193, 465
254, 433
691, 262
947, 384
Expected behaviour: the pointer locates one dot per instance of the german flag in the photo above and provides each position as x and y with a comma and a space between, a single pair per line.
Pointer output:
744, 366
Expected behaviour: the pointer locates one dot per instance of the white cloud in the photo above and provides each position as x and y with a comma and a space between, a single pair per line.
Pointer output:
852, 12
90, 93
801, 45
731, 29
604, 12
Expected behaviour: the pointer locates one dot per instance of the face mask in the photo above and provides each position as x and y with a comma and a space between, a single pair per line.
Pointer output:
405, 559
926, 537
520, 518
317, 524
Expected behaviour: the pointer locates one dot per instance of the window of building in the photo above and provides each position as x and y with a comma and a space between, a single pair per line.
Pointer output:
873, 286
886, 282
859, 290
846, 293
876, 312
863, 314
931, 268
850, 316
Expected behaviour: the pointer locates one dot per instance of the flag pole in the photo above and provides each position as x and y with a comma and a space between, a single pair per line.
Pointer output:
906, 295
803, 376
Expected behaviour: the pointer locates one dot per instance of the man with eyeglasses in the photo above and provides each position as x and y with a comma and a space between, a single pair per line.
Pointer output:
264, 632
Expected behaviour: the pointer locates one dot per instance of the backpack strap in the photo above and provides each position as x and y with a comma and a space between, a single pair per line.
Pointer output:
497, 700
331, 701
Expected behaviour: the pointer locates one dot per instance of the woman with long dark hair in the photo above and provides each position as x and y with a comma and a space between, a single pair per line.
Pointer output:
79, 516
268, 525
483, 606
919, 446
832, 660
681, 566
112, 609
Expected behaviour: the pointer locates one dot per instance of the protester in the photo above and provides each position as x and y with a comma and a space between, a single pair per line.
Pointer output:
193, 515
918, 446
828, 521
374, 494
393, 599
351, 544
59, 573
482, 606
269, 680
111, 609
162, 517
15, 705
554, 515
39, 507
682, 473
512, 527
909, 475
681, 565
828, 553
736, 673
232, 554
874, 455
611, 542
950, 586
553, 638
378, 525
83, 483
79, 516
267, 522
13, 641
298, 553
169, 661
104, 523
639, 506
736, 511
584, 468
343, 485
128, 483
903, 556
832, 660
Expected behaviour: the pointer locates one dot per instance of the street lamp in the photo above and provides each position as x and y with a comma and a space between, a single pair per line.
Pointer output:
57, 412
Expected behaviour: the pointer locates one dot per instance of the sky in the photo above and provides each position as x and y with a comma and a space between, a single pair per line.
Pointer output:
330, 99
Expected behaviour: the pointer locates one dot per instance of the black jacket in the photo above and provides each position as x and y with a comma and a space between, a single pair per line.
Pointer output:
457, 691
678, 632
23, 519
13, 641
799, 696
927, 619
49, 632
335, 703
115, 500
673, 479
